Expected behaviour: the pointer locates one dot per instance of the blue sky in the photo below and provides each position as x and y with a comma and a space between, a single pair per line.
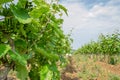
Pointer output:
88, 18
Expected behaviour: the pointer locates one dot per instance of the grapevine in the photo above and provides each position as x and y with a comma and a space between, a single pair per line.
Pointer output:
31, 35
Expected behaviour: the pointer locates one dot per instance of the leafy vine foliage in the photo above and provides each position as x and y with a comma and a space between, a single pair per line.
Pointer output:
106, 45
31, 35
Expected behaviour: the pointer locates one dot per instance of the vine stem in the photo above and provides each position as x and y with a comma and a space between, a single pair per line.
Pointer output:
7, 67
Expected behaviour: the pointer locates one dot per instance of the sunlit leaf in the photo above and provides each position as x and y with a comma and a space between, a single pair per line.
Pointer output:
45, 73
21, 14
63, 8
18, 58
4, 49
39, 11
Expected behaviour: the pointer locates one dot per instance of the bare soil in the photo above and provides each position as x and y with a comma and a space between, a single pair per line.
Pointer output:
72, 70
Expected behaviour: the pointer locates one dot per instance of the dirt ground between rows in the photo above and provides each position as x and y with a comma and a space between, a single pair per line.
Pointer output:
71, 72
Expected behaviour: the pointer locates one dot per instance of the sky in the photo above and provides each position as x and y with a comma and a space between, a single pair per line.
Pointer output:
89, 18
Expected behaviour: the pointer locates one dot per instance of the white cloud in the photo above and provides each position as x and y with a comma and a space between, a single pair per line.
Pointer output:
107, 10
88, 24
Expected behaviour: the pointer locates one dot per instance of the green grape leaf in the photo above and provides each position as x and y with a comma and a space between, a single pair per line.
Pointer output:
21, 14
4, 1
63, 8
53, 68
20, 43
23, 31
22, 72
38, 2
45, 73
57, 29
38, 11
18, 58
4, 49
56, 7
48, 55
21, 46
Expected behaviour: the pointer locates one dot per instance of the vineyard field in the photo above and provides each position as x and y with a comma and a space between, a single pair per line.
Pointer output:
34, 45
